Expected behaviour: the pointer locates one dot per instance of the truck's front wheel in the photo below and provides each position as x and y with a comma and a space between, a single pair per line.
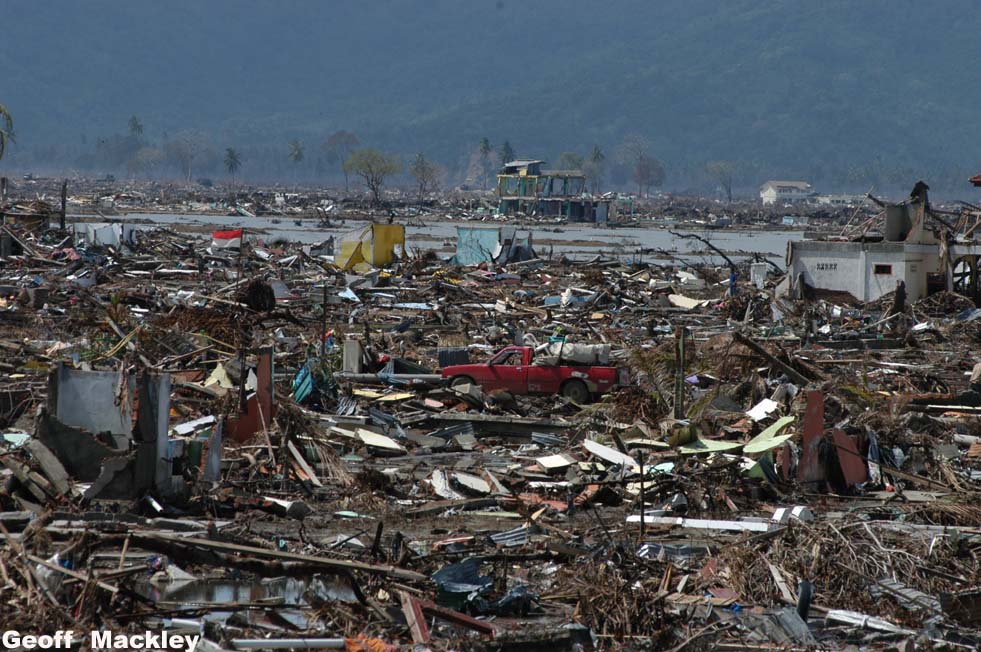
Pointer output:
576, 391
461, 380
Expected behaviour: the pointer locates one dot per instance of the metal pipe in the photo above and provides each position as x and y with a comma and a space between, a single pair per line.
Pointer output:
288, 643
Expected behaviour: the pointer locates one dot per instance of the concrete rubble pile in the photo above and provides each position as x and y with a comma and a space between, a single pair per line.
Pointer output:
276, 446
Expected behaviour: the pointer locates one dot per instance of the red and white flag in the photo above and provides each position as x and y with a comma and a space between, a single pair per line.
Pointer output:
226, 239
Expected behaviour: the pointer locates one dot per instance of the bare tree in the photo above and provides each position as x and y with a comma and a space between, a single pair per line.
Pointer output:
593, 167
184, 148
373, 167
633, 154
632, 148
722, 172
426, 174
338, 148
145, 161
648, 172
570, 161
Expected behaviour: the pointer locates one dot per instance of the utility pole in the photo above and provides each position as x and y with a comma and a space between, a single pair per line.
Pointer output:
679, 372
241, 251
643, 499
64, 204
323, 323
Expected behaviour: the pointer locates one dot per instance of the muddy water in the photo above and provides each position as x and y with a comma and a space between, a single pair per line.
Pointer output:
574, 240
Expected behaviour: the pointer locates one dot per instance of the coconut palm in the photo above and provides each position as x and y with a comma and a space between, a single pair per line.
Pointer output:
485, 149
507, 153
233, 161
135, 127
6, 129
295, 156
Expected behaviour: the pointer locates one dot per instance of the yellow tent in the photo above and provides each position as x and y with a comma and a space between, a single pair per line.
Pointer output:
373, 246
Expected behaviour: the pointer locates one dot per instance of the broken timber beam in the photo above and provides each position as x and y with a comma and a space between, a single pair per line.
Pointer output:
414, 618
431, 608
312, 560
67, 571
755, 347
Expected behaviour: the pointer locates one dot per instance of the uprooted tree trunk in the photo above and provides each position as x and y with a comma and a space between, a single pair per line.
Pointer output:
692, 236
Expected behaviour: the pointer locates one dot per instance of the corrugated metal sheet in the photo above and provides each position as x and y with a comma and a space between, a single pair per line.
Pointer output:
346, 406
516, 537
450, 432
908, 597
546, 439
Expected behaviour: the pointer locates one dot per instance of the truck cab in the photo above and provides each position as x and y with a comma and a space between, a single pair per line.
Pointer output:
512, 369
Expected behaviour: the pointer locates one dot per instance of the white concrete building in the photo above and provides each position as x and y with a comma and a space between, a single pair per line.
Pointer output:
866, 270
907, 252
785, 192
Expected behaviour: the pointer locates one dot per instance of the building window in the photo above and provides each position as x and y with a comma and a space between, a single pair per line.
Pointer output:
882, 269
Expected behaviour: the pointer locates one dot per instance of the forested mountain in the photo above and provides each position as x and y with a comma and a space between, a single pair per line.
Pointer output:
845, 94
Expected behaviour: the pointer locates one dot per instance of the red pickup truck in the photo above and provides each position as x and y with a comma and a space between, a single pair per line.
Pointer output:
511, 369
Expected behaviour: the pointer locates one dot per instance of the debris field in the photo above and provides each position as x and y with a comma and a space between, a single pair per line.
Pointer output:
357, 446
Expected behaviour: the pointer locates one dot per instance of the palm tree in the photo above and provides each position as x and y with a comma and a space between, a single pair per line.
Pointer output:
295, 156
6, 129
597, 155
595, 167
507, 153
485, 150
233, 161
135, 127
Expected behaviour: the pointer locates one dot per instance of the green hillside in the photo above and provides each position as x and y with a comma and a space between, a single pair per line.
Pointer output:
844, 93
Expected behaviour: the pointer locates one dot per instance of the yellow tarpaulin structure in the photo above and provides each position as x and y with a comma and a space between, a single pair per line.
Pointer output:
373, 246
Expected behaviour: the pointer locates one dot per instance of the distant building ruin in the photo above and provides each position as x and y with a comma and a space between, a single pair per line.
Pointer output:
914, 246
524, 187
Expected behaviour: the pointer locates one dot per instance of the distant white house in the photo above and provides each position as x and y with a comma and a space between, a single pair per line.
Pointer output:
785, 192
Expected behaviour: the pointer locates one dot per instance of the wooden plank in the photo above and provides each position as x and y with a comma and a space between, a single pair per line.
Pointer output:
71, 573
792, 373
22, 472
456, 618
781, 583
52, 468
376, 569
439, 506
974, 450
415, 618
302, 463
